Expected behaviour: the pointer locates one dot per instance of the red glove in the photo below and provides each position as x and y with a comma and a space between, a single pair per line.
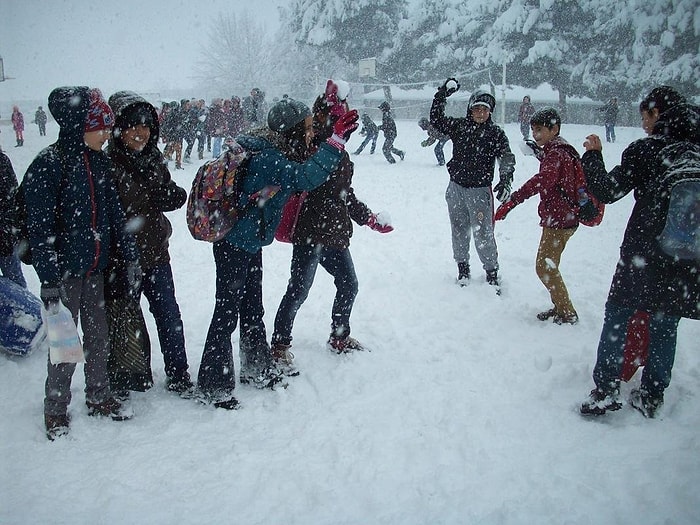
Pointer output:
343, 128
338, 106
503, 210
378, 226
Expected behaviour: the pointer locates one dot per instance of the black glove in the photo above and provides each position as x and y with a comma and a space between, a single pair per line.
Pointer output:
51, 297
530, 148
168, 197
502, 190
133, 279
450, 87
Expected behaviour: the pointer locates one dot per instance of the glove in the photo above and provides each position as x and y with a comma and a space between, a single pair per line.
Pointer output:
51, 297
530, 148
425, 143
133, 279
168, 197
502, 190
379, 224
336, 93
503, 210
450, 87
343, 128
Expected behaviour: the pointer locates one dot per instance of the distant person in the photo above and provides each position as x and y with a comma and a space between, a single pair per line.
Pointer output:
388, 127
72, 227
40, 120
370, 132
610, 112
18, 125
433, 137
10, 266
254, 109
524, 115
477, 143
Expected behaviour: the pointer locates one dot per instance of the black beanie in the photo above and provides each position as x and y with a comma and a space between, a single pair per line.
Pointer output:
286, 114
134, 115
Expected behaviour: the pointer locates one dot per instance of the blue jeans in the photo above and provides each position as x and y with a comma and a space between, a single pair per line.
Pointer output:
305, 260
216, 146
663, 331
159, 289
610, 132
238, 290
11, 267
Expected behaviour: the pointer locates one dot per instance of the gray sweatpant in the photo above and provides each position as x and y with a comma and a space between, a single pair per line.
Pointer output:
471, 210
85, 300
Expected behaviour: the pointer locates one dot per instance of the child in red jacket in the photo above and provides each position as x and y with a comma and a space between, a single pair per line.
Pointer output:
559, 176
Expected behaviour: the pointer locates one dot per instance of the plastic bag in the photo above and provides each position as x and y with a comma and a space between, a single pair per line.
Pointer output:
62, 334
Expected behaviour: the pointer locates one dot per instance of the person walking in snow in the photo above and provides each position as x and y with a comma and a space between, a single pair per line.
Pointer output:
18, 125
560, 175
610, 112
477, 143
146, 190
370, 132
644, 279
254, 109
388, 127
273, 173
524, 115
322, 236
73, 218
40, 120
433, 137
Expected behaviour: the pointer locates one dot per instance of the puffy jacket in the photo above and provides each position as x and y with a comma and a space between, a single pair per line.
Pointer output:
73, 211
268, 169
644, 278
388, 125
559, 172
8, 209
326, 214
475, 148
144, 184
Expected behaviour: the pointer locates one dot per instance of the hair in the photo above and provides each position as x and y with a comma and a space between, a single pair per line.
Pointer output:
295, 142
547, 117
661, 98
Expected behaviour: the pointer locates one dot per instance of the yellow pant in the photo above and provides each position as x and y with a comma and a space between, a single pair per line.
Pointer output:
552, 245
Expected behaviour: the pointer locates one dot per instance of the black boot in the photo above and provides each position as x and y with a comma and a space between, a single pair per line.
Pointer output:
464, 274
492, 279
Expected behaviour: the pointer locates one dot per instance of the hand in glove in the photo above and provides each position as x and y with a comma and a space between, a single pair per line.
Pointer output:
336, 93
450, 87
425, 143
168, 197
51, 297
133, 279
530, 148
379, 224
502, 190
343, 128
503, 210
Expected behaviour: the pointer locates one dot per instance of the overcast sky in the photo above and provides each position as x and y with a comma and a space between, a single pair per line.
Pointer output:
144, 46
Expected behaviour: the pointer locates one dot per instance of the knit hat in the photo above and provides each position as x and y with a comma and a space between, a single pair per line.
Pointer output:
134, 115
286, 114
482, 98
99, 115
384, 106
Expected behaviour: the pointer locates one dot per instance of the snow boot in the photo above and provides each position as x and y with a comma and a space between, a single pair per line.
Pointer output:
112, 408
344, 345
571, 318
492, 279
182, 386
547, 314
284, 359
648, 404
600, 401
56, 426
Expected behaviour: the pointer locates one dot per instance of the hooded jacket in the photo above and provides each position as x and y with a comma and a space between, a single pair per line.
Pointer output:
144, 184
73, 211
475, 147
559, 172
644, 278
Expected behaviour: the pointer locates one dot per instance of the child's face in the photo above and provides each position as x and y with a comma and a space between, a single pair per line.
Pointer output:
137, 137
649, 118
543, 134
96, 139
480, 114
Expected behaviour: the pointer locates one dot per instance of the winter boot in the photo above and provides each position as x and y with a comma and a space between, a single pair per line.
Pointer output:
492, 279
284, 359
181, 385
56, 426
463, 273
570, 318
344, 345
648, 404
600, 401
547, 314
112, 408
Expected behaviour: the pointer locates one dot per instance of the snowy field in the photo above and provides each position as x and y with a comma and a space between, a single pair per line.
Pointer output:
464, 412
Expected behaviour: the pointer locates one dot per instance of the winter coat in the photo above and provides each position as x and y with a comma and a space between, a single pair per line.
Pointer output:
73, 210
174, 124
235, 121
17, 121
557, 173
144, 184
610, 111
40, 116
388, 125
369, 128
269, 169
8, 210
475, 148
644, 277
326, 214
216, 121
525, 112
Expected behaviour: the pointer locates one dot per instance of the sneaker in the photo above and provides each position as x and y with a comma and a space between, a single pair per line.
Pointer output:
646, 403
56, 426
284, 359
547, 314
182, 385
463, 273
270, 377
599, 402
344, 345
112, 408
565, 318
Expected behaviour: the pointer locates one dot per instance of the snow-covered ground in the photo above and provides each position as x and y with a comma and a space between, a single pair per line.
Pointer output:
465, 411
